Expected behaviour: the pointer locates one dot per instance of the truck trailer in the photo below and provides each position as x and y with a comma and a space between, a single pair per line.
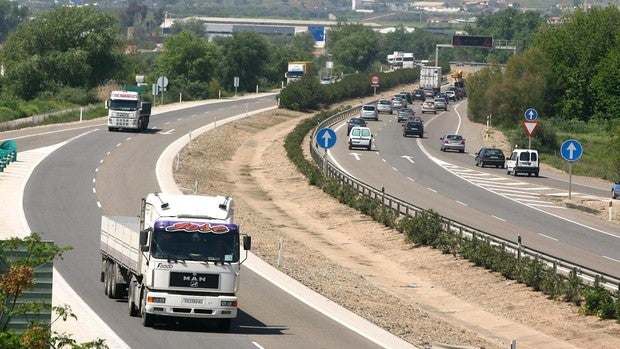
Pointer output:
127, 111
297, 70
430, 78
179, 259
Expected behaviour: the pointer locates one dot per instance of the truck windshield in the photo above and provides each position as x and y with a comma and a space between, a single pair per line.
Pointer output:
198, 246
122, 104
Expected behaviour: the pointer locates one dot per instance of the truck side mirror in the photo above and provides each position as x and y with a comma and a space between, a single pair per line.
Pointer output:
144, 238
247, 242
107, 104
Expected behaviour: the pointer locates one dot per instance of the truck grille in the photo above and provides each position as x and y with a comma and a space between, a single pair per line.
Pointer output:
195, 280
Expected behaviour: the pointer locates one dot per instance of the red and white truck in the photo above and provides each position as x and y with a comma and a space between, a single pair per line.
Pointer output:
179, 259
126, 110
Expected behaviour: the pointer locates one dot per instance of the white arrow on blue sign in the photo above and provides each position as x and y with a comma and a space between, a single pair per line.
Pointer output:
531, 114
326, 138
571, 150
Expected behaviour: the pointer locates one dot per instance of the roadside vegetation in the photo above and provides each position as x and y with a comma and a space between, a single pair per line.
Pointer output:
20, 258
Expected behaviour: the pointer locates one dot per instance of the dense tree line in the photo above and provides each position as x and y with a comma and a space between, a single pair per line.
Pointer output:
569, 73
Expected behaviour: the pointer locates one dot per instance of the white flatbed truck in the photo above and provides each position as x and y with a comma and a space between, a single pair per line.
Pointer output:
179, 259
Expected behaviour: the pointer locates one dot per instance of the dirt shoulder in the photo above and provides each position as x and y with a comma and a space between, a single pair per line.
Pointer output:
417, 293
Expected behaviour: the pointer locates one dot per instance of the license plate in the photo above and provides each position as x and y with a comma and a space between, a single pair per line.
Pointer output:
192, 300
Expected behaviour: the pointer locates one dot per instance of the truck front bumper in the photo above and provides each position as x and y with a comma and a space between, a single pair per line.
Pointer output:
191, 306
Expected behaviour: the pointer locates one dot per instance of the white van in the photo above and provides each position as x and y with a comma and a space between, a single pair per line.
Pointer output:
523, 161
360, 137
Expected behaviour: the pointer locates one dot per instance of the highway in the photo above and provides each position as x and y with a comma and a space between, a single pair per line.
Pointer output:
416, 171
100, 172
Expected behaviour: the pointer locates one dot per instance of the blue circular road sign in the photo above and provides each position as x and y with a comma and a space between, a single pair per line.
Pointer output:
326, 138
531, 114
571, 150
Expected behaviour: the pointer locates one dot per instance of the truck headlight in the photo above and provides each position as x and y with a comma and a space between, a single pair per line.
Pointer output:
228, 303
155, 299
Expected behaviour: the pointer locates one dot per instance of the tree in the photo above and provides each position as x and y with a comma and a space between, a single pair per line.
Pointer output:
246, 56
12, 14
354, 46
68, 46
134, 13
187, 55
578, 50
193, 25
18, 275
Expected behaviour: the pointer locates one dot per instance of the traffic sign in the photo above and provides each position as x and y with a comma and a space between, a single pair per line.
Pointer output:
326, 138
530, 126
374, 80
531, 114
162, 82
471, 40
571, 150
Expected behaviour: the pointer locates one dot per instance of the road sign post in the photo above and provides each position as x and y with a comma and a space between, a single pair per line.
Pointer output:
571, 151
374, 82
530, 124
325, 138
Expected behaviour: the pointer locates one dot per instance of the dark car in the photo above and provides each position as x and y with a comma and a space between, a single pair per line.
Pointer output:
355, 122
490, 156
413, 128
418, 95
406, 96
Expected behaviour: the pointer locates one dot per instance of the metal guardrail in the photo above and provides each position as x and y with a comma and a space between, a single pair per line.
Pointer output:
404, 208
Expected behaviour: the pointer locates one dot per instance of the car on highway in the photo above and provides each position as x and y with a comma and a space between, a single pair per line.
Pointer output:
398, 102
418, 94
369, 111
615, 190
490, 156
451, 141
405, 96
355, 122
360, 137
429, 93
404, 114
441, 103
428, 106
523, 161
385, 106
413, 128
443, 95
451, 95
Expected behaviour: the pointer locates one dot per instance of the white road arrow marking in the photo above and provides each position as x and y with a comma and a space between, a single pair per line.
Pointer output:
408, 158
356, 156
169, 132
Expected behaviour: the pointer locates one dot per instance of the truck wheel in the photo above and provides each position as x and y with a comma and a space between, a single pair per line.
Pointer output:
106, 282
223, 325
148, 320
133, 310
117, 289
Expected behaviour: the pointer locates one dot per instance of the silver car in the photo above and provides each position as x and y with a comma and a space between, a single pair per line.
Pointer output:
384, 106
441, 103
452, 142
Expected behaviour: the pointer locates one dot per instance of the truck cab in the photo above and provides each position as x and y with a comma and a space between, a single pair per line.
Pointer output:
126, 110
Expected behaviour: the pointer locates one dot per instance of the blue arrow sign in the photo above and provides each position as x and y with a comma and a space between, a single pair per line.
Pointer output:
531, 114
326, 138
571, 150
